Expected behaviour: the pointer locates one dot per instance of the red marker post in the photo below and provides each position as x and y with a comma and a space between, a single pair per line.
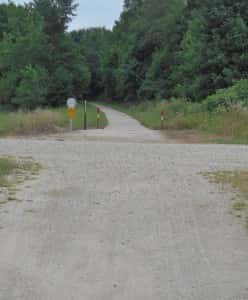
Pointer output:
162, 119
98, 118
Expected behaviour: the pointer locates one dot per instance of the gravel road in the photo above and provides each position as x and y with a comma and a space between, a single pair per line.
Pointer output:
121, 214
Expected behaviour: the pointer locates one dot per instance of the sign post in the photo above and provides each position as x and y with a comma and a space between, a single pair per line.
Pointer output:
85, 115
71, 106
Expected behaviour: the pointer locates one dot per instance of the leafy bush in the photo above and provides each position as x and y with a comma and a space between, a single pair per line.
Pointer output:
236, 95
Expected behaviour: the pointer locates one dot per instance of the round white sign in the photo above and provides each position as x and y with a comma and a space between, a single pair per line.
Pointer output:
71, 103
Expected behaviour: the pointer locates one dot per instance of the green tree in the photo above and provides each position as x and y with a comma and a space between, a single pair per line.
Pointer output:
22, 44
31, 91
56, 14
214, 49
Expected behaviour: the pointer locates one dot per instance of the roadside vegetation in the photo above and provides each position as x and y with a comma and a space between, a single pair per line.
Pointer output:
45, 121
219, 126
14, 171
237, 180
165, 49
221, 117
156, 50
175, 49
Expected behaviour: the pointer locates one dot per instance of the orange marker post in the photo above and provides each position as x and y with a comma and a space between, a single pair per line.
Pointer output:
162, 119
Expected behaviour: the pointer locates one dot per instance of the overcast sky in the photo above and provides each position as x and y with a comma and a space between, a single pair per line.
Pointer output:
92, 13
97, 13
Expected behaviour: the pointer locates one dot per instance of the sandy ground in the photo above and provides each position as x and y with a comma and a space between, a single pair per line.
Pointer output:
121, 214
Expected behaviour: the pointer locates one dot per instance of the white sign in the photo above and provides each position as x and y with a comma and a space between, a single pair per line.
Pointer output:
71, 103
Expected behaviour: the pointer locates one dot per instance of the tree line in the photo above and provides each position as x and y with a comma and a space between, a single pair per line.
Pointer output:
40, 64
171, 48
157, 50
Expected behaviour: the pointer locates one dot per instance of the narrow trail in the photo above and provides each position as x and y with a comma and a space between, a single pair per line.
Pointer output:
110, 218
121, 127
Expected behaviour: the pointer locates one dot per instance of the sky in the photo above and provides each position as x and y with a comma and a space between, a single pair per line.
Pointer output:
92, 13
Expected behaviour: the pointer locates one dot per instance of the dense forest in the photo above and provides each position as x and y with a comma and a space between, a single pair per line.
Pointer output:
40, 64
156, 50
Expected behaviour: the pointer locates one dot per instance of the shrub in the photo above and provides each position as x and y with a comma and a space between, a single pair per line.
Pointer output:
234, 96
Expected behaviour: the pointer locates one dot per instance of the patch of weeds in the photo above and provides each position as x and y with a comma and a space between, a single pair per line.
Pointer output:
239, 206
237, 181
12, 199
11, 192
15, 171
29, 211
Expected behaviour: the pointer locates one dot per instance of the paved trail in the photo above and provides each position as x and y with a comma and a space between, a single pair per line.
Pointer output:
121, 220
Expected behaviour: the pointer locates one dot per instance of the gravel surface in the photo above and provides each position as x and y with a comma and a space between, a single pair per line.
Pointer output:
122, 220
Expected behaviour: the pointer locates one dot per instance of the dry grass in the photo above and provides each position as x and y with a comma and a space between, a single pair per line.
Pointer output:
15, 171
38, 121
45, 121
224, 127
35, 122
237, 181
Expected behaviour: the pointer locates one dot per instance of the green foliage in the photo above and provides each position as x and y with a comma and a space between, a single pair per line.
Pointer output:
95, 46
236, 95
32, 89
155, 85
213, 52
56, 14
40, 64
185, 74
19, 48
163, 49
156, 50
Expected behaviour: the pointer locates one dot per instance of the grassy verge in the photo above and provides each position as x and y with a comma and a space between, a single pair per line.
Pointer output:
43, 121
12, 172
218, 127
237, 180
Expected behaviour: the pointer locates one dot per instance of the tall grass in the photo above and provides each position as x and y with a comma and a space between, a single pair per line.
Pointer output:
43, 121
225, 126
39, 121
